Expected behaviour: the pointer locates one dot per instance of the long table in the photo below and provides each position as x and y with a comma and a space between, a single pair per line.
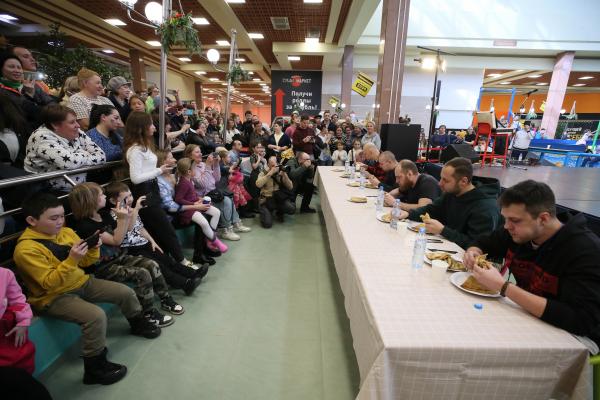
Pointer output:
418, 338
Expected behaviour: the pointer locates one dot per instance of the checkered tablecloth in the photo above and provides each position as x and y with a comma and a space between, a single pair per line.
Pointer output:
417, 338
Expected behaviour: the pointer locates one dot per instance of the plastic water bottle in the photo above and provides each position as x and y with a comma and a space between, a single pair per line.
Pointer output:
352, 177
419, 250
361, 180
347, 167
380, 200
395, 215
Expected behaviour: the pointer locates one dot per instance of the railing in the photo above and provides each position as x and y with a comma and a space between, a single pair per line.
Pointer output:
566, 155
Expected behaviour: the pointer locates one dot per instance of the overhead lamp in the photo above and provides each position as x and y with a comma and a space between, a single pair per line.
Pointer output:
428, 63
311, 40
235, 1
250, 72
293, 58
154, 43
213, 79
583, 78
579, 84
213, 55
494, 75
154, 12
263, 84
313, 1
224, 84
256, 79
128, 3
343, 105
200, 72
222, 42
506, 83
534, 76
256, 36
185, 59
7, 17
240, 59
541, 84
108, 51
200, 21
115, 22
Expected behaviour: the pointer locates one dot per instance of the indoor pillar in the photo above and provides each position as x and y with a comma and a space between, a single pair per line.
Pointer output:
138, 70
347, 70
198, 93
392, 45
556, 91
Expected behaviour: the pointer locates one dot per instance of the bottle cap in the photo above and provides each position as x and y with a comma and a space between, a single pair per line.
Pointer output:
478, 306
422, 230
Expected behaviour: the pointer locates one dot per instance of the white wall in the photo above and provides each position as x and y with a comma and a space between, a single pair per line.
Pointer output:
174, 81
332, 86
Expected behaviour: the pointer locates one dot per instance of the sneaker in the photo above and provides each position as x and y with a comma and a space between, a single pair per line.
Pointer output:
141, 326
170, 305
228, 234
189, 264
307, 210
159, 319
216, 245
239, 227
191, 285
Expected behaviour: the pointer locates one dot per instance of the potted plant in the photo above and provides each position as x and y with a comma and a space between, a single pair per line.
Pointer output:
179, 30
236, 74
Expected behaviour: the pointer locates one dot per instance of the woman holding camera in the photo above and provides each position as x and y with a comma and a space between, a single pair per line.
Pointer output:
205, 177
138, 148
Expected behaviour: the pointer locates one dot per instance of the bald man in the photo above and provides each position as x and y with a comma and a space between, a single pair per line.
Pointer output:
388, 163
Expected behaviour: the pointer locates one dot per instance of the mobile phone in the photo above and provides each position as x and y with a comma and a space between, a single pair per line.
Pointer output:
171, 91
188, 111
123, 203
30, 75
148, 199
92, 240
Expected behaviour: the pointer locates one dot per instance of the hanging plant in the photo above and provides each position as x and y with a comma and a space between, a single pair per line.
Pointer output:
179, 30
236, 74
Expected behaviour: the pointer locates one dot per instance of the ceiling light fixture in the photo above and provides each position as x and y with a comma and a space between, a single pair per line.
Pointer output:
583, 78
185, 59
534, 76
154, 12
200, 72
240, 59
200, 21
115, 22
7, 17
108, 51
256, 79
313, 1
541, 84
213, 79
505, 83
154, 43
256, 36
493, 75
213, 55
235, 1
311, 40
579, 84
293, 58
222, 42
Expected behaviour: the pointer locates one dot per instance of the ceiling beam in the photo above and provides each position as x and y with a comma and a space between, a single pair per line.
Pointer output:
334, 16
512, 75
358, 17
223, 67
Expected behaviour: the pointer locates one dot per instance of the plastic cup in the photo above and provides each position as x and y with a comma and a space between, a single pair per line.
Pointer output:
438, 270
206, 200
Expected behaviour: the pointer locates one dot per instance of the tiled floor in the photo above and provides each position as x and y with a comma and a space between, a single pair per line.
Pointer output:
268, 323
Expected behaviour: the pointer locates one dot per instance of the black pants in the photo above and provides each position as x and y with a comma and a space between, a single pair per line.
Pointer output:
175, 274
279, 204
304, 186
518, 152
18, 384
156, 221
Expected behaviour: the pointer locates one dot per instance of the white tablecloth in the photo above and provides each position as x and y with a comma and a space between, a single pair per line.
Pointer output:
418, 338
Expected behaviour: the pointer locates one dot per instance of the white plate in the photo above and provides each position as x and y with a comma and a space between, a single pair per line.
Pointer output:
458, 278
353, 184
456, 257
379, 217
356, 202
338, 170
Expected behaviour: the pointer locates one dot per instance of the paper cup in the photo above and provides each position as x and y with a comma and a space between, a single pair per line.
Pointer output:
438, 270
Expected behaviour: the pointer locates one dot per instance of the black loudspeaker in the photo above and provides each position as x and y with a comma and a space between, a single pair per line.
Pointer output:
401, 139
459, 150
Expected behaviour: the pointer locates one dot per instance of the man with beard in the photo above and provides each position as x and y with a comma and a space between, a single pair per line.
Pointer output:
467, 207
553, 258
414, 189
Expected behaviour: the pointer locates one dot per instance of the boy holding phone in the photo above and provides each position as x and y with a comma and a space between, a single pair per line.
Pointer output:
50, 258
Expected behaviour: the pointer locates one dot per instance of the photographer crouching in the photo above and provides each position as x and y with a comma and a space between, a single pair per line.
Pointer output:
275, 193
302, 172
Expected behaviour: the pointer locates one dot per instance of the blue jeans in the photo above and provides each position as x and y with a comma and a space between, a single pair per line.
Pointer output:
229, 214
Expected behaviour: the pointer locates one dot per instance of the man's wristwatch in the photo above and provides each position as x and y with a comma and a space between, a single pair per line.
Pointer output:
503, 289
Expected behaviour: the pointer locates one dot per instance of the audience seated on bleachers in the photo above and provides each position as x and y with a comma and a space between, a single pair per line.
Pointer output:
51, 260
136, 104
14, 133
119, 91
59, 144
91, 90
467, 207
414, 189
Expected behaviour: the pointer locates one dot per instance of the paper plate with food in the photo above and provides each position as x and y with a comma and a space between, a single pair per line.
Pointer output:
353, 184
454, 262
465, 281
357, 199
346, 176
384, 217
338, 170
371, 186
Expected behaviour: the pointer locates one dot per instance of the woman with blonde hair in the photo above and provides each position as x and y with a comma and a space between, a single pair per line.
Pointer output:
138, 149
90, 92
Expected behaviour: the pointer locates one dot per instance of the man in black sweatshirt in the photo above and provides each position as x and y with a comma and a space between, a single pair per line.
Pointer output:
553, 258
466, 209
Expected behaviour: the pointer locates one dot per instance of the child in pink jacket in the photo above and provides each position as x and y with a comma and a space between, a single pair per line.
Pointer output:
16, 350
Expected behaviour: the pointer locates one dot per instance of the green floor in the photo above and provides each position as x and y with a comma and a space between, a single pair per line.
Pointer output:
268, 323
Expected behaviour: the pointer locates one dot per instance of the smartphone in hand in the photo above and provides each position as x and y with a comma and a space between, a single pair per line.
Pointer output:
92, 240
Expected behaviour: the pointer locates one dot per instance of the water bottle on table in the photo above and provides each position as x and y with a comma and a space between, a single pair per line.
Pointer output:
395, 215
362, 179
347, 167
380, 200
419, 250
352, 169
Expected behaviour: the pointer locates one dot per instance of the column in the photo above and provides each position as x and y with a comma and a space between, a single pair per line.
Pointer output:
138, 70
556, 91
394, 25
198, 94
347, 69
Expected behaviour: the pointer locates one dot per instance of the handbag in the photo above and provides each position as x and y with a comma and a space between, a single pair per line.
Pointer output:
216, 196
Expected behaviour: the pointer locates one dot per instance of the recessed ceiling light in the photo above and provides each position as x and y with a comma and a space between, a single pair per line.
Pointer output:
185, 59
224, 84
115, 22
154, 43
210, 91
200, 72
534, 76
313, 1
583, 78
256, 36
293, 58
263, 84
7, 17
108, 51
235, 1
250, 72
505, 83
518, 70
256, 79
493, 75
311, 40
213, 79
240, 59
222, 42
579, 84
541, 84
200, 21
